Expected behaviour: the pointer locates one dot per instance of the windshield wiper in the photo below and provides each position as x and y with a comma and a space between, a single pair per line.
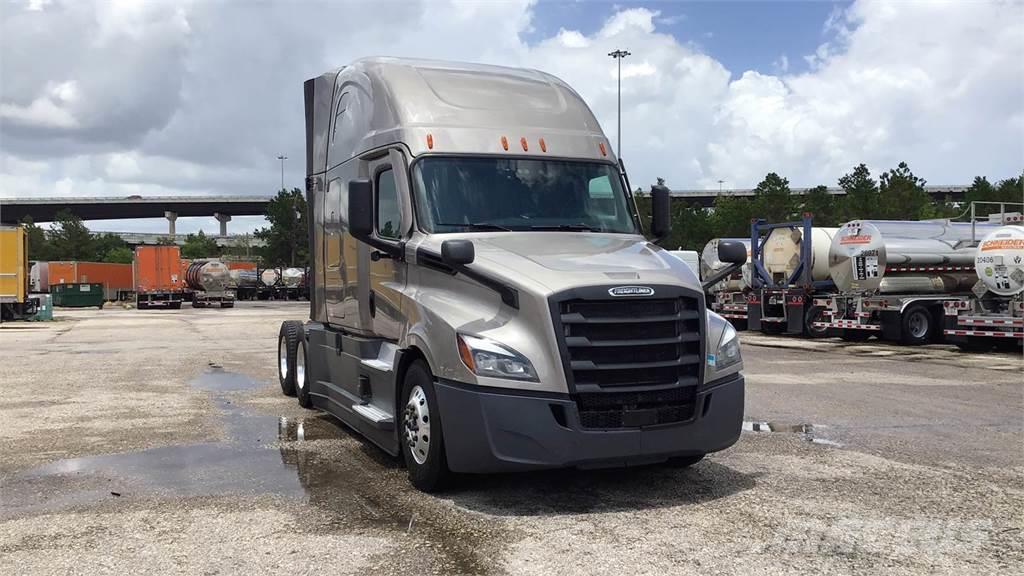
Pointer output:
567, 227
481, 226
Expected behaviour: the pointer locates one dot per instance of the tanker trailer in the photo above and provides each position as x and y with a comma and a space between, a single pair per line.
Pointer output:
210, 280
290, 286
895, 278
994, 315
727, 298
246, 282
270, 277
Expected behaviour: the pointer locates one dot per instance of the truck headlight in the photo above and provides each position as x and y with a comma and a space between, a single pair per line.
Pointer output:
728, 348
485, 357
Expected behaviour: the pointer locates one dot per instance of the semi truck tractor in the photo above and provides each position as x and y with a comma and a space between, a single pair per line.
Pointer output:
483, 298
899, 280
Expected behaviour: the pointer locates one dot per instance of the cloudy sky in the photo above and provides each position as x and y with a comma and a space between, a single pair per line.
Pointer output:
158, 98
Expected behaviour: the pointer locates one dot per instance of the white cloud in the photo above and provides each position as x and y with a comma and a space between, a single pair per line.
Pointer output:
122, 98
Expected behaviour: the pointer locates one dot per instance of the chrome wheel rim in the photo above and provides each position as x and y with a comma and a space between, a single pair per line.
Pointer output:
300, 366
918, 325
282, 358
417, 425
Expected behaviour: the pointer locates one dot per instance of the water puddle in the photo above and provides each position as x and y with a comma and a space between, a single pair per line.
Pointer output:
217, 379
806, 431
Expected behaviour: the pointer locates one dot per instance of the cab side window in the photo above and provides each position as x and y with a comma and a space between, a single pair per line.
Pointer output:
389, 214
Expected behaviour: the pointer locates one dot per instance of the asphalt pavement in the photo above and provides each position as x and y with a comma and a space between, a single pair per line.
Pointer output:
157, 442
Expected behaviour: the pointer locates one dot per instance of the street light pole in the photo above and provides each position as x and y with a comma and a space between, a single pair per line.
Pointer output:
720, 182
618, 55
282, 158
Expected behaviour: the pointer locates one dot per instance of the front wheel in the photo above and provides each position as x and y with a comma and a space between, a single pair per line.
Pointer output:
287, 344
421, 437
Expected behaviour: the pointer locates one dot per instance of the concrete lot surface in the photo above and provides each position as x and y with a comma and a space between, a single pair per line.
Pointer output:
157, 442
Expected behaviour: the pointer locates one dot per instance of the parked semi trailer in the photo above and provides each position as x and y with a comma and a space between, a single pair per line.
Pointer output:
115, 279
158, 281
210, 282
15, 301
517, 318
900, 280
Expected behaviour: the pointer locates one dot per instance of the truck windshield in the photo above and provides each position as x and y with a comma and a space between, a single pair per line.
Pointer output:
504, 194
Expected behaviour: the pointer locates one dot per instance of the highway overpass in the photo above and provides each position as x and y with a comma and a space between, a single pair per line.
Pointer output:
12, 210
706, 198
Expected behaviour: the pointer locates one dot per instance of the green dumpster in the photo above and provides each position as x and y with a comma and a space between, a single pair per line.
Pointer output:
77, 295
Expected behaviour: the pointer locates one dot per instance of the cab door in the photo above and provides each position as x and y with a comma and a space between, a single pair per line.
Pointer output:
383, 279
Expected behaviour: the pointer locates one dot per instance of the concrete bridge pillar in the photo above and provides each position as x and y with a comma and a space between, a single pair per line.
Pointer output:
171, 217
223, 219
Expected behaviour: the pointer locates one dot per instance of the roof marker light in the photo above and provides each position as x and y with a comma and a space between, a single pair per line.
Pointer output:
522, 142
603, 151
504, 143
543, 146
430, 141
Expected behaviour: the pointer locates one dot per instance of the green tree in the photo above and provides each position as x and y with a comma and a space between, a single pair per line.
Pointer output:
165, 241
287, 238
902, 196
38, 246
69, 239
822, 204
861, 195
104, 244
1010, 190
731, 216
119, 254
199, 245
773, 199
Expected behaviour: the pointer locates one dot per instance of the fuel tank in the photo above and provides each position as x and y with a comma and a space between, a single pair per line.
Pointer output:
244, 278
207, 276
999, 262
863, 253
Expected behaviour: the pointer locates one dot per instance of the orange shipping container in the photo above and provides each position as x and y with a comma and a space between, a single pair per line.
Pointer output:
63, 272
114, 277
157, 269
241, 265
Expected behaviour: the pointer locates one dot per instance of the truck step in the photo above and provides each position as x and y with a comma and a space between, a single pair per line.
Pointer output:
379, 418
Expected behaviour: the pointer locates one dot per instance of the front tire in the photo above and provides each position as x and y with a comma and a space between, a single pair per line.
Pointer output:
287, 342
421, 437
302, 374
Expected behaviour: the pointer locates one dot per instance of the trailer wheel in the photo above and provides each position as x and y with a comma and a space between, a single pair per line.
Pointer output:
916, 325
813, 315
420, 435
287, 342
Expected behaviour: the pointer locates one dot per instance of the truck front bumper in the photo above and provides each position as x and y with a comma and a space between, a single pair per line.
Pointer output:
488, 430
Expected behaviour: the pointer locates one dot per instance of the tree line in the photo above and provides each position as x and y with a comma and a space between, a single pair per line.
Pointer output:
896, 195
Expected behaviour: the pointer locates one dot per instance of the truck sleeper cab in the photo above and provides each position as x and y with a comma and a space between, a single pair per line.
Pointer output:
482, 298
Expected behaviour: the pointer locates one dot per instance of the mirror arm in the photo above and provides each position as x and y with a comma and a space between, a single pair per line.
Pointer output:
720, 275
431, 259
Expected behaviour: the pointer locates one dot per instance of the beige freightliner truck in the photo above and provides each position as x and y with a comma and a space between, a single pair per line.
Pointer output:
482, 296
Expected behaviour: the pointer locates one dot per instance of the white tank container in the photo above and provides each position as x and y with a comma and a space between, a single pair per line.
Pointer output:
292, 277
862, 251
711, 263
244, 278
999, 262
782, 252
270, 276
690, 257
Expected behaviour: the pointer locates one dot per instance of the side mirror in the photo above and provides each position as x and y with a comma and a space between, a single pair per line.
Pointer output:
661, 214
457, 253
360, 209
732, 252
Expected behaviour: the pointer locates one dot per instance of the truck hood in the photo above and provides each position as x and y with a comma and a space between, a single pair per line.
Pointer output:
554, 261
